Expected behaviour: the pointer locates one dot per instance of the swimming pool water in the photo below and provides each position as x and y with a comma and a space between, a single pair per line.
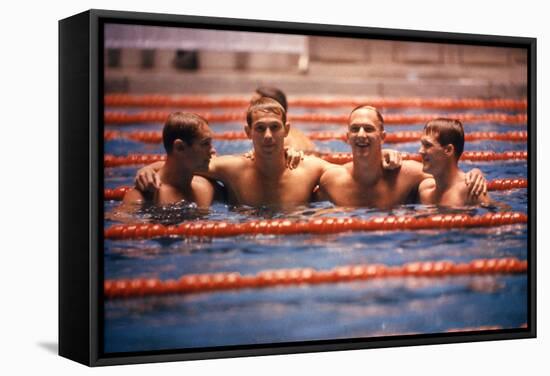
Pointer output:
382, 307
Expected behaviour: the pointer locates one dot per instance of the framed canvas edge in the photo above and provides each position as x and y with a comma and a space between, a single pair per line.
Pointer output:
96, 165
287, 27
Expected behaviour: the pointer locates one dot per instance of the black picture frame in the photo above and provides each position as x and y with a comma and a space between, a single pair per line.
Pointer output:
81, 185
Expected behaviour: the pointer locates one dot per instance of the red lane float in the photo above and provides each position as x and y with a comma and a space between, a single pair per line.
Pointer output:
391, 138
506, 184
325, 225
336, 158
195, 101
132, 159
116, 194
195, 283
495, 185
121, 118
473, 156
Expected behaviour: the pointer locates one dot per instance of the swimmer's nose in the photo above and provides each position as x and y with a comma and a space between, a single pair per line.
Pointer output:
361, 132
268, 133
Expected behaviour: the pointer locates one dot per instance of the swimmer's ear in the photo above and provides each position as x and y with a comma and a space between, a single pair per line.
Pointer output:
383, 135
247, 131
449, 149
287, 128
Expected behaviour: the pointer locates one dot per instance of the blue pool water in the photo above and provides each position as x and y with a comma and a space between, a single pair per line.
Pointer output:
382, 307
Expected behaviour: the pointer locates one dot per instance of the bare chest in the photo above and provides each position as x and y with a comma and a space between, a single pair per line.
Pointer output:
197, 193
384, 194
451, 197
290, 188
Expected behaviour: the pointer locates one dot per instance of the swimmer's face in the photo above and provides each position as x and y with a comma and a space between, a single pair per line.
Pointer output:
365, 134
267, 132
197, 155
435, 156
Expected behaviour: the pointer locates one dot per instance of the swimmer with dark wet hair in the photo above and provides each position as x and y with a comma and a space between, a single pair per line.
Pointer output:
440, 148
187, 140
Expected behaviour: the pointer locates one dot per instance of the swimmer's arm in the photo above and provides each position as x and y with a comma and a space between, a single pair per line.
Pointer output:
132, 201
414, 174
148, 180
224, 168
487, 201
216, 190
323, 165
133, 197
391, 159
205, 192
325, 185
482, 199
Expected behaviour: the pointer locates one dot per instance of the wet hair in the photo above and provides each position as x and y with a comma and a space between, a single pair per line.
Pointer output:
367, 107
267, 105
273, 93
447, 131
185, 126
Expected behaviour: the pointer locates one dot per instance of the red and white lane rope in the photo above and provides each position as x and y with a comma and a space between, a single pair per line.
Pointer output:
121, 118
324, 225
196, 101
391, 138
472, 156
118, 193
336, 158
197, 283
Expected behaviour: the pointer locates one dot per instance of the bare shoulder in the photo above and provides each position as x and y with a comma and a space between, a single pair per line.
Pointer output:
204, 191
228, 164
462, 188
201, 182
426, 184
228, 160
412, 171
313, 162
412, 167
335, 175
133, 196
